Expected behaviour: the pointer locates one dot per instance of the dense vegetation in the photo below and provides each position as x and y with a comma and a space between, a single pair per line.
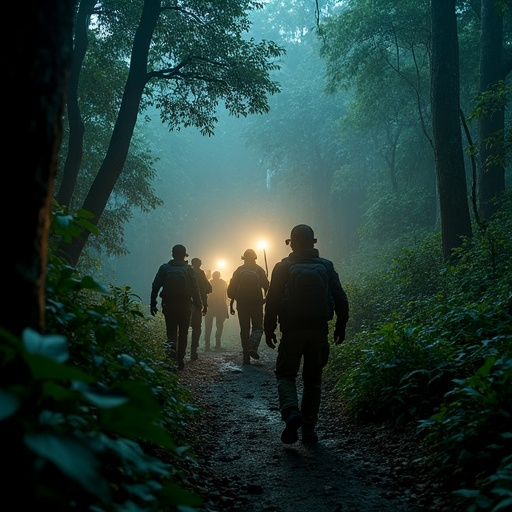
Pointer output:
429, 346
96, 419
91, 414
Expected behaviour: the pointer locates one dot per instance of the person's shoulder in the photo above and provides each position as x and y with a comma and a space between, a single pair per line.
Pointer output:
328, 263
282, 266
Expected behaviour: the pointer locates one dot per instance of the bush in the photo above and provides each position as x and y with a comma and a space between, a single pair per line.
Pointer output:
434, 346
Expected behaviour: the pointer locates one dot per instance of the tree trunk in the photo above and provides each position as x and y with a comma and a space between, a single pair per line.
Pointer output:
37, 66
76, 125
447, 138
491, 176
113, 164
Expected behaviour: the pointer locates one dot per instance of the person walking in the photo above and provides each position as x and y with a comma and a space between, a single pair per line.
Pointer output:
217, 310
247, 287
179, 292
304, 293
196, 318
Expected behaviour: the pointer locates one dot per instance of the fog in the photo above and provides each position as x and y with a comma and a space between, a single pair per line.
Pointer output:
217, 203
315, 158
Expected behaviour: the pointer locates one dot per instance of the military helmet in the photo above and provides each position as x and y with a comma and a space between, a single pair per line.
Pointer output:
249, 254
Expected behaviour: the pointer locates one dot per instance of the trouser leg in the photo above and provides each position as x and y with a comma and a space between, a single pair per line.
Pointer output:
312, 379
257, 328
287, 368
195, 322
183, 326
208, 326
219, 329
171, 327
244, 319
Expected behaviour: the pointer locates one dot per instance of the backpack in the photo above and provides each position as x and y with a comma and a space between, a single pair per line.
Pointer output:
176, 285
249, 288
307, 294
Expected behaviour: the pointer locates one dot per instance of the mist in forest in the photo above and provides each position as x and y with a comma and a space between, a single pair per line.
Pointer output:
345, 152
217, 203
247, 185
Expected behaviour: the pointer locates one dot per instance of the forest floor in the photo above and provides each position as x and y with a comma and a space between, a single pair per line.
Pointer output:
244, 466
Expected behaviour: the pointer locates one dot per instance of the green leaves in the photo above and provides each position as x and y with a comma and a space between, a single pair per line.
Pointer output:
74, 460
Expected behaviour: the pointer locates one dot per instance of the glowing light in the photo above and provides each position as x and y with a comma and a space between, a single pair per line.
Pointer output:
221, 264
262, 244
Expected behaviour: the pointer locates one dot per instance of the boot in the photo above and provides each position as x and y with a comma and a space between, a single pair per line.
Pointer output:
246, 358
170, 349
293, 423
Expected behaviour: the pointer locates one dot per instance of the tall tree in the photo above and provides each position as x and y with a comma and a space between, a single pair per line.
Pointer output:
495, 65
75, 121
36, 66
447, 138
186, 57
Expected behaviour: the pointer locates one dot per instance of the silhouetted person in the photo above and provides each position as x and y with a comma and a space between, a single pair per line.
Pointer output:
217, 309
245, 287
305, 292
180, 291
196, 318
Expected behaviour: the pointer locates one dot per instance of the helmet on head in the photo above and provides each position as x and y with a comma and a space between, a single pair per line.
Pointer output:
179, 250
216, 274
249, 254
196, 262
301, 235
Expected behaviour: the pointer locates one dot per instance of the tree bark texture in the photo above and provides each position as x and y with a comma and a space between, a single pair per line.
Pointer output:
491, 176
37, 65
447, 137
112, 166
76, 125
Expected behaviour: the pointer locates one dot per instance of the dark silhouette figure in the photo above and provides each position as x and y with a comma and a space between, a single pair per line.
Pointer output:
196, 318
217, 309
304, 329
245, 287
179, 291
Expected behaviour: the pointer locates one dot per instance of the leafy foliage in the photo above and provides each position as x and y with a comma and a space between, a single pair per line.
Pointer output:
436, 349
96, 418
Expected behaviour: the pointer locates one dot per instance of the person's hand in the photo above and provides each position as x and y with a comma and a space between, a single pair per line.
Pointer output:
153, 309
339, 336
271, 340
232, 310
205, 309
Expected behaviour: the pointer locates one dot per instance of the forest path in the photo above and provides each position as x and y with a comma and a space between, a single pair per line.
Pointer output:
244, 466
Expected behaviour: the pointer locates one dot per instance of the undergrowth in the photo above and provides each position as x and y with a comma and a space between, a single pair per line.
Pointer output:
92, 411
433, 348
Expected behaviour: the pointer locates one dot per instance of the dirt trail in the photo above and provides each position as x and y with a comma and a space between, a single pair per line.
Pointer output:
244, 466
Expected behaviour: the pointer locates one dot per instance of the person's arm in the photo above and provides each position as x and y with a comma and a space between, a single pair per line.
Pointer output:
207, 285
233, 286
155, 288
273, 303
341, 306
194, 288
